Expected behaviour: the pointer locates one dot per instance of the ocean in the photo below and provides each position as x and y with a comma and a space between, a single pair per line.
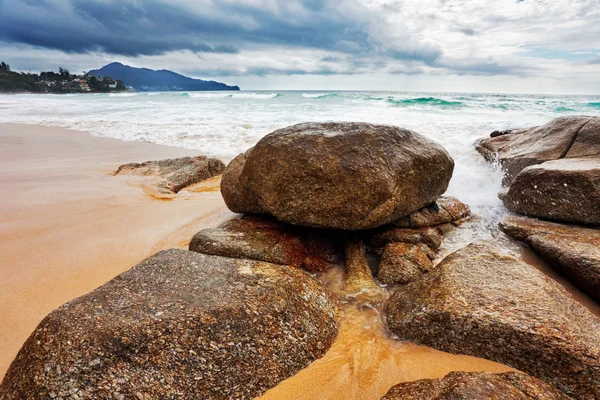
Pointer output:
223, 124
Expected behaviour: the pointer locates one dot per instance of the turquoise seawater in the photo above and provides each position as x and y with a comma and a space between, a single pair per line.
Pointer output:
223, 124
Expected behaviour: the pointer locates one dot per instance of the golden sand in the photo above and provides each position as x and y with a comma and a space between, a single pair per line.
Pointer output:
67, 226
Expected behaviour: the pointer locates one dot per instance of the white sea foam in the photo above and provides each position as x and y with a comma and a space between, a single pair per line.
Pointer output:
318, 95
223, 124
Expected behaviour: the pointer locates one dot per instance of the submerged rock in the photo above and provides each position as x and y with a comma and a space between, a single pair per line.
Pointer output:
179, 325
572, 250
476, 385
175, 174
564, 190
563, 137
317, 174
265, 239
481, 302
402, 263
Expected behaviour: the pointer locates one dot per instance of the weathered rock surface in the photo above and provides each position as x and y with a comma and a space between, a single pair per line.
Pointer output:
563, 137
266, 239
175, 174
587, 142
178, 325
358, 272
424, 228
481, 302
572, 250
402, 263
476, 385
444, 210
431, 237
317, 174
563, 190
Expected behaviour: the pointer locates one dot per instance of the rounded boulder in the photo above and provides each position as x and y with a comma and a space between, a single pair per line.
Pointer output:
340, 175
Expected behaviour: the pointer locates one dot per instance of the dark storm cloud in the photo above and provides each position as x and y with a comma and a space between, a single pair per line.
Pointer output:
152, 27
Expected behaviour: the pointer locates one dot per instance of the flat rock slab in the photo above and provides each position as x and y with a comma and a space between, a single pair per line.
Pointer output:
476, 385
266, 239
564, 190
317, 174
179, 325
481, 302
172, 175
574, 251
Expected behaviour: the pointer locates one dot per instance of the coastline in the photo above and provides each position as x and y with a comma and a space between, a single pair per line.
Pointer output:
68, 225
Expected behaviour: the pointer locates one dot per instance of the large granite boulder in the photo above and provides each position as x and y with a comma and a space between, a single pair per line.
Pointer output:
574, 251
575, 136
563, 190
338, 175
481, 302
178, 325
476, 385
266, 239
172, 175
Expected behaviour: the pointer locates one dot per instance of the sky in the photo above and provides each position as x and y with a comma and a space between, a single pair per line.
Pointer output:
499, 46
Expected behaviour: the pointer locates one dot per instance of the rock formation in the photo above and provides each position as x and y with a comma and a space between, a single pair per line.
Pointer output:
172, 175
358, 272
481, 302
178, 325
572, 250
565, 190
444, 210
317, 175
476, 385
266, 239
569, 137
402, 263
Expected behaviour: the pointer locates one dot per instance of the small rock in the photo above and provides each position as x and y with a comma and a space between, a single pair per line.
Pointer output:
444, 210
402, 263
172, 175
476, 386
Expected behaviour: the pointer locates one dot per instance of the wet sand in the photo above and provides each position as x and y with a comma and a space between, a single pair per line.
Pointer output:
67, 226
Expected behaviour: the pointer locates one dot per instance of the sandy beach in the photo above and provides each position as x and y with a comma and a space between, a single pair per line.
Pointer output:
68, 226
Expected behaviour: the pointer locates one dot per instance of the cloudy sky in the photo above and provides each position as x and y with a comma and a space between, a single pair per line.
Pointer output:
533, 46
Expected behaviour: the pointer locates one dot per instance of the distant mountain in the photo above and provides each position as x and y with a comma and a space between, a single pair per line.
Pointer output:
147, 80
